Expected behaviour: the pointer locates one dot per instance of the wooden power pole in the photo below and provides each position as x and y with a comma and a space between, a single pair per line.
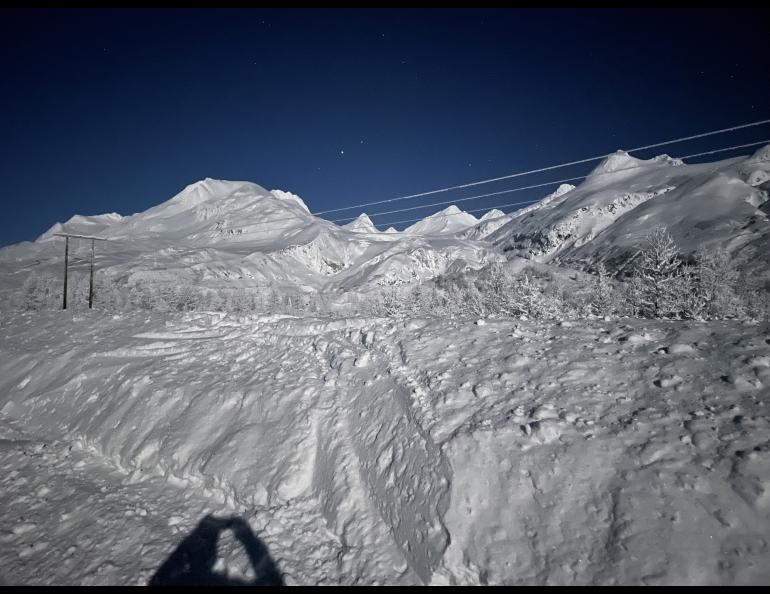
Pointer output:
66, 265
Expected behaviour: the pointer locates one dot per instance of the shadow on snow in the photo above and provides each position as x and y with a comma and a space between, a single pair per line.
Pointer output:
192, 563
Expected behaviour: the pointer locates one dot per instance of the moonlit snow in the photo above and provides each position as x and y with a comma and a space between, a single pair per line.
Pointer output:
363, 413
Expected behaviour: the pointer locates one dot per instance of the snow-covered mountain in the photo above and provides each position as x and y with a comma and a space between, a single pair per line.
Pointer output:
84, 225
226, 233
605, 218
449, 221
362, 224
492, 214
217, 232
491, 221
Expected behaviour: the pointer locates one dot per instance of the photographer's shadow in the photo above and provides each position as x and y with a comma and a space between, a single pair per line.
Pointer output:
192, 563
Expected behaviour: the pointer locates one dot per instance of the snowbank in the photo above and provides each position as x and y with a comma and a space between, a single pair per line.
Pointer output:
430, 451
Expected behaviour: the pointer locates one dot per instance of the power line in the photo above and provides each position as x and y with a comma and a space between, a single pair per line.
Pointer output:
471, 210
517, 189
721, 150
549, 168
551, 183
462, 199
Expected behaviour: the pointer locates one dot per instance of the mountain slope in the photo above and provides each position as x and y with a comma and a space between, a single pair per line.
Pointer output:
606, 218
218, 233
449, 221
363, 224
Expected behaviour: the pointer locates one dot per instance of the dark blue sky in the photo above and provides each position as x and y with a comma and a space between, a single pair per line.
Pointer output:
117, 110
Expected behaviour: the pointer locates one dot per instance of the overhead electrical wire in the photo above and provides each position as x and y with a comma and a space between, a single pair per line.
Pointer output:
549, 168
522, 188
551, 183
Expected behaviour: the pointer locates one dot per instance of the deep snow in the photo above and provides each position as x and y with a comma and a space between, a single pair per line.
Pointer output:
391, 451
387, 451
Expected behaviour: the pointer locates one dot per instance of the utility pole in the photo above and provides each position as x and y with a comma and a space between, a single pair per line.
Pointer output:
66, 265
91, 279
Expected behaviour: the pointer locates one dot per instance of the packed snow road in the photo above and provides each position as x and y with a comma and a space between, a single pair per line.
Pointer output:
385, 451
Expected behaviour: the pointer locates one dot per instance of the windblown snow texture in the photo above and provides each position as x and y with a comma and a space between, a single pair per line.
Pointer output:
377, 451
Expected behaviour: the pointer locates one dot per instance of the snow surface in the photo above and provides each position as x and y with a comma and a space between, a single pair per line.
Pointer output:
722, 204
383, 451
217, 233
492, 214
389, 451
491, 221
445, 222
362, 224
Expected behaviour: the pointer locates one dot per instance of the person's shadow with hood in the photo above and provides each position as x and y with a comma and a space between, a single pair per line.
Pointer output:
192, 563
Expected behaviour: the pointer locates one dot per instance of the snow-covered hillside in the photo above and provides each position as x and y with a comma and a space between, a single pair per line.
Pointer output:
449, 221
722, 204
221, 233
369, 450
491, 221
362, 224
508, 424
218, 233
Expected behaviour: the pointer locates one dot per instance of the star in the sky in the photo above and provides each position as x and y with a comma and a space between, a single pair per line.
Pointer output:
342, 152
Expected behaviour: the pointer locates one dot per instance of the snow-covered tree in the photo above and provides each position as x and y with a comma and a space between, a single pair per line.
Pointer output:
719, 279
603, 295
40, 292
391, 302
183, 298
658, 267
686, 297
